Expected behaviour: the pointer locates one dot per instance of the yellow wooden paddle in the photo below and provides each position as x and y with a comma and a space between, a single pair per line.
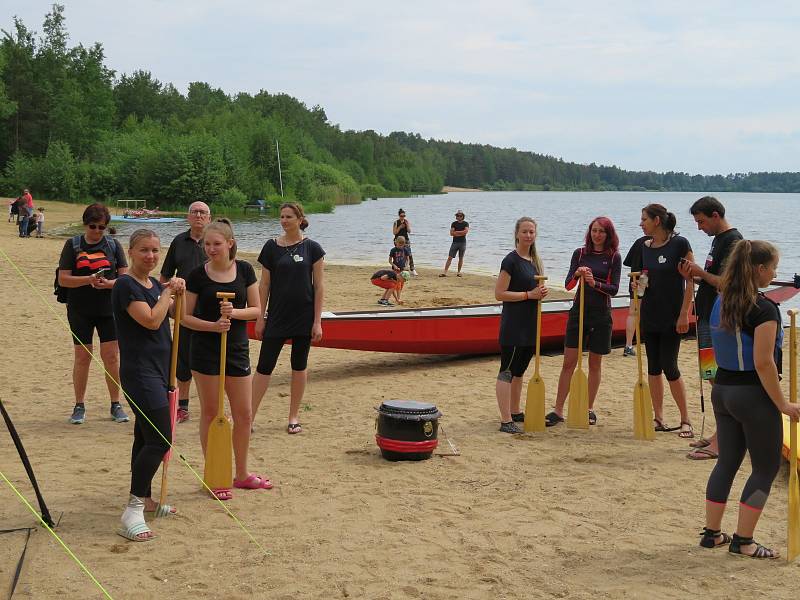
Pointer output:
534, 404
578, 407
218, 473
793, 535
642, 402
172, 394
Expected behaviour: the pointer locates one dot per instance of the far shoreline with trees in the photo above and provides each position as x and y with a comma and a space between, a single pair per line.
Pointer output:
72, 129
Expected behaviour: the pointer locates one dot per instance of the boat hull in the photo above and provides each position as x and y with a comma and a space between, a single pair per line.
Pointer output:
121, 219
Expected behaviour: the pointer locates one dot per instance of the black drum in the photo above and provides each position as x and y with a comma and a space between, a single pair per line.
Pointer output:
407, 430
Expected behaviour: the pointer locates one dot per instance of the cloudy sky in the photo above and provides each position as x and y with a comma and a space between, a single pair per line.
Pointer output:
702, 87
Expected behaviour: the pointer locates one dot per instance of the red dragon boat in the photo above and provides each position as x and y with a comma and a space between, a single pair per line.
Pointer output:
470, 329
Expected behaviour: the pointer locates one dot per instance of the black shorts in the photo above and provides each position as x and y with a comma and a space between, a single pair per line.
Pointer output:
457, 248
271, 349
515, 359
205, 357
596, 329
83, 327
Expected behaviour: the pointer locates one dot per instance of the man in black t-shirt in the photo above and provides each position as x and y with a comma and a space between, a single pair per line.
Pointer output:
458, 231
709, 214
184, 255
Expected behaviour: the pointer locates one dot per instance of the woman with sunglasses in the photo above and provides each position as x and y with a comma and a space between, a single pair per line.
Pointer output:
88, 268
402, 228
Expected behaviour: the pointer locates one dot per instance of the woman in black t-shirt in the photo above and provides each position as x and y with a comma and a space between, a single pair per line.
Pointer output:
89, 271
402, 228
140, 306
665, 311
747, 397
292, 285
519, 292
208, 317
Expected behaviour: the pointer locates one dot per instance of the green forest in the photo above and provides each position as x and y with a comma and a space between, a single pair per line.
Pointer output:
74, 129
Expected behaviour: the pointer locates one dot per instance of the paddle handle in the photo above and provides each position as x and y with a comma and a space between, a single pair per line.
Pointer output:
540, 279
793, 389
223, 346
580, 323
635, 279
176, 334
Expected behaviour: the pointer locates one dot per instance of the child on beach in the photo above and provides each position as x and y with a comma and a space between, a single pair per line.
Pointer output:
392, 282
40, 222
399, 255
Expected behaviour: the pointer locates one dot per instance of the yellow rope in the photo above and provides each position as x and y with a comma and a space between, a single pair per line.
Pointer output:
55, 535
65, 324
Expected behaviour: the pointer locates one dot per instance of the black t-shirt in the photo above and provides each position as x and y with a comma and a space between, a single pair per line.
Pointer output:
184, 255
207, 308
518, 320
459, 226
142, 351
402, 229
633, 259
291, 286
663, 296
763, 312
721, 247
389, 274
90, 259
399, 257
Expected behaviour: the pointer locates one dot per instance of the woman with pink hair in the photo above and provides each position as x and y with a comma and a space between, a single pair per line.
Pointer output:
599, 264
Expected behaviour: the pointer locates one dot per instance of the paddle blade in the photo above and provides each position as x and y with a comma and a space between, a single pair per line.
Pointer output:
794, 497
172, 396
578, 404
534, 405
218, 473
642, 412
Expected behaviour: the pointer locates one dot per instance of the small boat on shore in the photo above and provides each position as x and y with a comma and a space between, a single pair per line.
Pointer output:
471, 329
128, 219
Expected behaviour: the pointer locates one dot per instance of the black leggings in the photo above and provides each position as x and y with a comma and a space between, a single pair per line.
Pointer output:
515, 359
747, 420
662, 353
148, 447
271, 349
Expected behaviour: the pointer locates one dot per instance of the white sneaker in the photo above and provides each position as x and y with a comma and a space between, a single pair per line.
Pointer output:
414, 273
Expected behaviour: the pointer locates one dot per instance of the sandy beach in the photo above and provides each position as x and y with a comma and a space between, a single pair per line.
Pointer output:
564, 513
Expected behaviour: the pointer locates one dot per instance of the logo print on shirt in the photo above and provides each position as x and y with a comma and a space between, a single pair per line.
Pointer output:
661, 259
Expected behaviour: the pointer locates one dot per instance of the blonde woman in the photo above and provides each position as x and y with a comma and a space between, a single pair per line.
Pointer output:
208, 317
519, 292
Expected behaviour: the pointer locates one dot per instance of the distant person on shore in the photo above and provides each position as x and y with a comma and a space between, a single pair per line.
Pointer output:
709, 214
633, 260
402, 228
664, 311
140, 305
186, 253
599, 264
519, 292
26, 210
40, 222
208, 317
458, 231
391, 282
89, 267
12, 210
292, 269
747, 337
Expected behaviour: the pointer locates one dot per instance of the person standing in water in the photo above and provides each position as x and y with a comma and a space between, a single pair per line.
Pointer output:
519, 291
599, 264
458, 231
292, 268
401, 228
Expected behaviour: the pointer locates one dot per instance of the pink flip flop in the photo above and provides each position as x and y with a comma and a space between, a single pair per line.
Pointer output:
223, 494
253, 482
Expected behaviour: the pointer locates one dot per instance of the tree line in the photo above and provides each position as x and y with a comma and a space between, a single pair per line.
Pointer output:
72, 129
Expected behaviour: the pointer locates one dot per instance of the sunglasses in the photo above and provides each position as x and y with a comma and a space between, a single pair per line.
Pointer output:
94, 226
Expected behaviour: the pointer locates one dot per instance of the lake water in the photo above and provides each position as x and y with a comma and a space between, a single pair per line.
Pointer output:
362, 233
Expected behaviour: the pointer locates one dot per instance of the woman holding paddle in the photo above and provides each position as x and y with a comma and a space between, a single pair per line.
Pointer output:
208, 318
664, 310
747, 336
519, 291
598, 264
140, 305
